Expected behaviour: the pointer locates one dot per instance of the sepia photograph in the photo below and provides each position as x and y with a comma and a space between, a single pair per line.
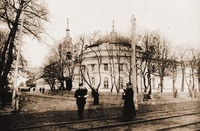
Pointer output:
99, 65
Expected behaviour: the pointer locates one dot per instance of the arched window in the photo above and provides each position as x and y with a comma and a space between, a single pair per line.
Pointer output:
69, 55
105, 83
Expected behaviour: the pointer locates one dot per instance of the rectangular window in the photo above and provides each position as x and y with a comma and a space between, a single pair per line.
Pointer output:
105, 67
106, 83
93, 67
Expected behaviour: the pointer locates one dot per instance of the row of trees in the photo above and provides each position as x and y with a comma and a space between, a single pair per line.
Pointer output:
160, 60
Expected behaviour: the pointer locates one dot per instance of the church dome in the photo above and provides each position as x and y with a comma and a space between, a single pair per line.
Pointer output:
114, 38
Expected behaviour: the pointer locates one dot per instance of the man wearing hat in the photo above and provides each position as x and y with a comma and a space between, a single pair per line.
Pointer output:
81, 96
129, 112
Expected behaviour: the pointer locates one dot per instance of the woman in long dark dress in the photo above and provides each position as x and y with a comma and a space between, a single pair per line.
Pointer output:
129, 112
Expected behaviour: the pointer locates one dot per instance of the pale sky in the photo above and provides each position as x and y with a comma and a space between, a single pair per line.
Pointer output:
178, 20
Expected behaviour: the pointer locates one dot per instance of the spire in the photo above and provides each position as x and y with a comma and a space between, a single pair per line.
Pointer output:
67, 40
67, 25
133, 22
67, 30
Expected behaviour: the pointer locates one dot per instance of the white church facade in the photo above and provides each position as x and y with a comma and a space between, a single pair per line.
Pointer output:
106, 65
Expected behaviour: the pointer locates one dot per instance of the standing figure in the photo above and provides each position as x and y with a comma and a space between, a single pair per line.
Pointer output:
81, 96
95, 95
129, 112
69, 84
43, 90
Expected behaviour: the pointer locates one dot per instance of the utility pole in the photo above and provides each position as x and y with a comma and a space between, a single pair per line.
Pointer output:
133, 60
18, 55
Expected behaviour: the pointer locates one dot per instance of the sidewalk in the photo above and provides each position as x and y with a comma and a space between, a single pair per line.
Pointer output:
38, 102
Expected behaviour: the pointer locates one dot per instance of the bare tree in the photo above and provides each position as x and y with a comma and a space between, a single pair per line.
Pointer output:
10, 13
89, 43
111, 62
51, 71
120, 63
182, 58
60, 66
174, 71
50, 75
90, 49
193, 64
114, 56
146, 66
163, 59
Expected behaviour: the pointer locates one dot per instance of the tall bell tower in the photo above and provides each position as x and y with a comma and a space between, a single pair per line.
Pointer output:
67, 40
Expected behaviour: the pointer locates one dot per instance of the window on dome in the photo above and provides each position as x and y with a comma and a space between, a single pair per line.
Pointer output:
106, 82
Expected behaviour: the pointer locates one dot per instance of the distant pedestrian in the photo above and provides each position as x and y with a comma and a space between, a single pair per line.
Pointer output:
69, 84
81, 96
40, 89
43, 90
129, 112
95, 95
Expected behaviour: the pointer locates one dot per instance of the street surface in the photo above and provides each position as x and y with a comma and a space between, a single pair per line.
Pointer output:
47, 109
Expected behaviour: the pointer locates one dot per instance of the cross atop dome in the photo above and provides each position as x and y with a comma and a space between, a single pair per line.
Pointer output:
67, 30
113, 26
67, 25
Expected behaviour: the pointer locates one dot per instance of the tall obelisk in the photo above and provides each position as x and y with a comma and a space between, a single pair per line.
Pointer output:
133, 60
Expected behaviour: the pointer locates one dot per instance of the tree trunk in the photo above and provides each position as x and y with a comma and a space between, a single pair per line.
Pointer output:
144, 82
183, 79
174, 88
161, 83
9, 45
193, 84
149, 81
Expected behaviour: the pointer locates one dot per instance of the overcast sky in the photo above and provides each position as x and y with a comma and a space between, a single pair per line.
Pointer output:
178, 20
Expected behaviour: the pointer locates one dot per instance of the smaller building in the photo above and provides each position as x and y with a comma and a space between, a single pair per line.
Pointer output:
40, 84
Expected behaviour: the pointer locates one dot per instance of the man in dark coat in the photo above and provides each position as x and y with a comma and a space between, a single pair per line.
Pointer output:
81, 96
129, 112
